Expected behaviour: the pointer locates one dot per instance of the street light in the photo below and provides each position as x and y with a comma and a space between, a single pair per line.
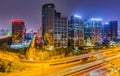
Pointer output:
42, 64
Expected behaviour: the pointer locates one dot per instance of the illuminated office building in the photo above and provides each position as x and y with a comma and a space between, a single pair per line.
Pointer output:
111, 30
61, 32
48, 16
54, 23
76, 31
93, 31
18, 31
114, 29
106, 31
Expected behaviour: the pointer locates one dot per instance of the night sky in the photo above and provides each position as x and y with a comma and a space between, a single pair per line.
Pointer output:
30, 10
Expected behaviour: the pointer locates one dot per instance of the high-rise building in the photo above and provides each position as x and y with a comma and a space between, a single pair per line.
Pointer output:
61, 32
48, 16
55, 24
114, 29
76, 31
106, 31
111, 30
18, 31
93, 31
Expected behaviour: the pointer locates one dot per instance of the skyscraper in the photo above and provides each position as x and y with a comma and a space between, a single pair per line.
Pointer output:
106, 31
18, 31
114, 29
61, 31
76, 31
92, 31
55, 24
48, 16
111, 30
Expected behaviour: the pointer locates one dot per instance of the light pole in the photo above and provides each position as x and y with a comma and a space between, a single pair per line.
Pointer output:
42, 64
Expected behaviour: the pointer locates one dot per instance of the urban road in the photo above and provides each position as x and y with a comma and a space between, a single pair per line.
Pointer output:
45, 69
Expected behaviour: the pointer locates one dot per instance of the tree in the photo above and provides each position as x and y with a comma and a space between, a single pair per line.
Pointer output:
106, 43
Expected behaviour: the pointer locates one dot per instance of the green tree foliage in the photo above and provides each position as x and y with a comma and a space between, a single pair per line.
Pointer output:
7, 66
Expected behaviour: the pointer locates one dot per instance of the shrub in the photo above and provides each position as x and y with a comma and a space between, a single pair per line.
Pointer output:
46, 55
7, 66
70, 54
63, 55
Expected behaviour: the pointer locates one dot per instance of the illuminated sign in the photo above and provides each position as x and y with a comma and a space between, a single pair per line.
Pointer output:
17, 21
96, 19
77, 16
106, 23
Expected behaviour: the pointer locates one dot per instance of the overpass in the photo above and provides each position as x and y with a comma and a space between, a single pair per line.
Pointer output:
6, 36
7, 39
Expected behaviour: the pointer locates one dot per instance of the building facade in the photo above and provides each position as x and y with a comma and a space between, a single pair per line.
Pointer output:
48, 16
18, 31
61, 32
55, 24
114, 29
76, 31
106, 31
111, 30
92, 31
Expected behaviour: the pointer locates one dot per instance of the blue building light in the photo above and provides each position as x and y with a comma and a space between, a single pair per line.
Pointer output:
96, 19
77, 16
106, 23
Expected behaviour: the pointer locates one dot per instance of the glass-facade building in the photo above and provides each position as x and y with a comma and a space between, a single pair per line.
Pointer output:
54, 23
76, 31
48, 16
92, 31
111, 30
18, 31
61, 32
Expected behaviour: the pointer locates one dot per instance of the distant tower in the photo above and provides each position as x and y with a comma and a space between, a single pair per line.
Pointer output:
18, 31
2, 32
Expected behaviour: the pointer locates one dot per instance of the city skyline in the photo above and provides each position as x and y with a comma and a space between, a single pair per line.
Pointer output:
59, 38
31, 11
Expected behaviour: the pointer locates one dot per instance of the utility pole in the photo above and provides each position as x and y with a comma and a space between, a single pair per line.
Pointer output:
42, 63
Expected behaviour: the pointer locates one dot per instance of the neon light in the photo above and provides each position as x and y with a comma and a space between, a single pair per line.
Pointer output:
96, 19
106, 23
9, 33
17, 21
77, 16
